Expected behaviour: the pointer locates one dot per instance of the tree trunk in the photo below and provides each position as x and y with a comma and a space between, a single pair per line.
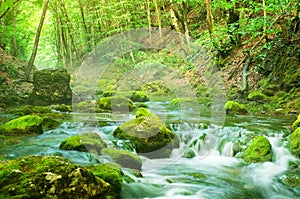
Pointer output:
209, 16
158, 17
149, 17
36, 42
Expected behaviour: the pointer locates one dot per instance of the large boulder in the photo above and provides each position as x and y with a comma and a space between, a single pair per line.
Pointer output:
148, 133
84, 142
124, 158
259, 150
55, 177
25, 125
51, 87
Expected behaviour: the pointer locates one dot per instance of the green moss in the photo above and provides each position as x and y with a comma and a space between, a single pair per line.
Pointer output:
29, 110
294, 142
29, 124
49, 122
232, 107
84, 142
148, 134
296, 123
119, 104
259, 150
142, 112
49, 177
110, 173
124, 158
257, 96
139, 96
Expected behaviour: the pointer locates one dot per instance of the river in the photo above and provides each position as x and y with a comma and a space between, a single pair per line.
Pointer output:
214, 172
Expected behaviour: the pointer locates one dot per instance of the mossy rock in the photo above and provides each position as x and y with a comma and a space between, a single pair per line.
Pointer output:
294, 142
124, 158
139, 96
149, 135
49, 123
29, 110
142, 112
110, 173
119, 104
257, 96
259, 150
296, 123
49, 177
232, 107
84, 142
25, 125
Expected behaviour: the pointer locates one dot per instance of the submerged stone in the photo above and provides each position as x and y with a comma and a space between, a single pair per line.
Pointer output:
91, 142
50, 177
149, 135
25, 125
124, 158
259, 150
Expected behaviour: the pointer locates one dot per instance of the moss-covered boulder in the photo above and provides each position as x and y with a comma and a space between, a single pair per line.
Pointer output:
124, 158
259, 150
51, 87
149, 135
25, 125
112, 174
139, 96
119, 104
49, 123
232, 107
294, 142
91, 142
296, 123
50, 177
257, 96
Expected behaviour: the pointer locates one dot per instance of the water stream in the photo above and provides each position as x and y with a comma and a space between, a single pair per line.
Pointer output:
214, 172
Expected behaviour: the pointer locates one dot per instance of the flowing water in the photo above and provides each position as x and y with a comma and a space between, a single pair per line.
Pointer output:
214, 172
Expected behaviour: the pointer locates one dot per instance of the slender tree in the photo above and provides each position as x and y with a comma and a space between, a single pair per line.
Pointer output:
36, 42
